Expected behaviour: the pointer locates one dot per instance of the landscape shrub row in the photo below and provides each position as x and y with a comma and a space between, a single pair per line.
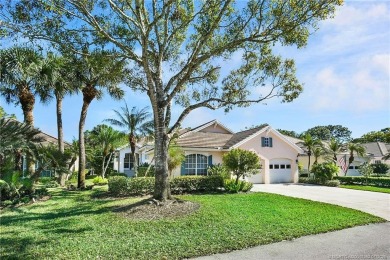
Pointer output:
360, 180
119, 185
330, 183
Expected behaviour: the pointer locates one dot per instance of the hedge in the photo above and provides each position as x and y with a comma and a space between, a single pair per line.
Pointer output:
119, 185
360, 180
330, 183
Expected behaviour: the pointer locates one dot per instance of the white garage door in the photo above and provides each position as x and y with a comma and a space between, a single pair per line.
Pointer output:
280, 171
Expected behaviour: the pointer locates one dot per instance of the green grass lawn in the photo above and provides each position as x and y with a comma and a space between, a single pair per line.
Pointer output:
366, 188
74, 225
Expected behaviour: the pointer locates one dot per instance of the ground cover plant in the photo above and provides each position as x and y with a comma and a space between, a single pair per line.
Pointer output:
366, 188
77, 225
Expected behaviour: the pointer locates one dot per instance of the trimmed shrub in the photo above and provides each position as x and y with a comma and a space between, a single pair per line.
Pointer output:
218, 170
99, 180
140, 185
361, 180
324, 171
380, 168
332, 183
233, 187
51, 184
142, 170
117, 185
189, 184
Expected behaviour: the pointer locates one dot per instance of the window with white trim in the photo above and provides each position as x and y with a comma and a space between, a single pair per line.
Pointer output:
128, 162
196, 164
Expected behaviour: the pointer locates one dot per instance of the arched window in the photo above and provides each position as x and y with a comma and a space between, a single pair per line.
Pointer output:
196, 164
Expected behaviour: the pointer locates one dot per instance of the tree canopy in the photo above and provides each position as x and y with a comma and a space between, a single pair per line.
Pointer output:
177, 51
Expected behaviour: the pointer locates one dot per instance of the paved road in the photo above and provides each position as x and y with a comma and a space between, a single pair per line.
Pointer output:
375, 203
364, 242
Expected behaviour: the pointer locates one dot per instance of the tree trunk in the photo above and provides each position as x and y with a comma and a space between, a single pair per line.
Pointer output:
59, 124
132, 147
162, 189
27, 101
81, 174
89, 93
308, 164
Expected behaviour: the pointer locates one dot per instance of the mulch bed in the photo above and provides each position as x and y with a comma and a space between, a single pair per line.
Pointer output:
150, 209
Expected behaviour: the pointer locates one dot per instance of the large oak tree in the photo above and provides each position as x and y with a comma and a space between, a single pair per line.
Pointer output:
177, 49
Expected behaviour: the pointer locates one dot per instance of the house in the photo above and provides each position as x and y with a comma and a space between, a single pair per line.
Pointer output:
206, 144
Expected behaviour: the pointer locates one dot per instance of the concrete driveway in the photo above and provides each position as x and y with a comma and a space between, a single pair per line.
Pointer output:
375, 203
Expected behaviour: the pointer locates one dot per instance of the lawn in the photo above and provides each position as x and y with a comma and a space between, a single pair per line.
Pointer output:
74, 225
366, 188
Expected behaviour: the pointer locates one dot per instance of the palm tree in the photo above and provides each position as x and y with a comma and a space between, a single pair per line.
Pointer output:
57, 79
20, 70
354, 148
310, 144
137, 125
107, 140
95, 72
334, 148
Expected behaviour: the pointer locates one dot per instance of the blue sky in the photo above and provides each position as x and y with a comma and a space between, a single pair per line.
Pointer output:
345, 70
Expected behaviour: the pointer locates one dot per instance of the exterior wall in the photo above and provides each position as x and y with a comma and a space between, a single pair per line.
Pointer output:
216, 159
121, 158
280, 150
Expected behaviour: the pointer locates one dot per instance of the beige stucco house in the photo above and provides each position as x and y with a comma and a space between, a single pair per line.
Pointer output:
205, 145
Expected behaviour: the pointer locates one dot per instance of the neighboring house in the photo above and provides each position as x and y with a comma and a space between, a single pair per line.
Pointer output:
376, 151
47, 140
206, 144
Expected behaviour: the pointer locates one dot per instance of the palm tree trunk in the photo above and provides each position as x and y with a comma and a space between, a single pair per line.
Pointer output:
27, 102
149, 166
308, 164
89, 93
81, 174
132, 147
59, 124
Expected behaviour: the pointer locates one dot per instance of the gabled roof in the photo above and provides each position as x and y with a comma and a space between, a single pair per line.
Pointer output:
376, 149
204, 126
241, 136
195, 138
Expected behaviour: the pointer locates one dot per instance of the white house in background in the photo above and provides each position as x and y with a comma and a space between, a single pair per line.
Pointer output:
205, 145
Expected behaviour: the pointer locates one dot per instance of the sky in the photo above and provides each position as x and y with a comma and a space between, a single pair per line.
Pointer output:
345, 69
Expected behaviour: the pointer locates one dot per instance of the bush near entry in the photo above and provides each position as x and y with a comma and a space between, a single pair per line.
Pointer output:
119, 185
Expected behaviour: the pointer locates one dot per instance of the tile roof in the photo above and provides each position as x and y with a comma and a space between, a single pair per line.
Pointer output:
240, 136
377, 149
204, 140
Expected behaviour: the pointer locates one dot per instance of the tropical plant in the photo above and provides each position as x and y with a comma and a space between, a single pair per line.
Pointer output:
324, 171
176, 50
241, 162
17, 139
354, 148
136, 123
57, 80
380, 168
20, 69
334, 148
175, 157
106, 140
95, 72
366, 170
310, 144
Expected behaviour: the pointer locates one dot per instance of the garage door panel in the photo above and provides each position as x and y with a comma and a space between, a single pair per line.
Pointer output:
280, 171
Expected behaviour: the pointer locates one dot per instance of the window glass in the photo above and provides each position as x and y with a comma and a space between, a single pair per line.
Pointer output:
196, 164
271, 166
276, 166
282, 166
288, 166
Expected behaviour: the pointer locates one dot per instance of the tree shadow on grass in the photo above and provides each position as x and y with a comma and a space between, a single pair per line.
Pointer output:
17, 247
